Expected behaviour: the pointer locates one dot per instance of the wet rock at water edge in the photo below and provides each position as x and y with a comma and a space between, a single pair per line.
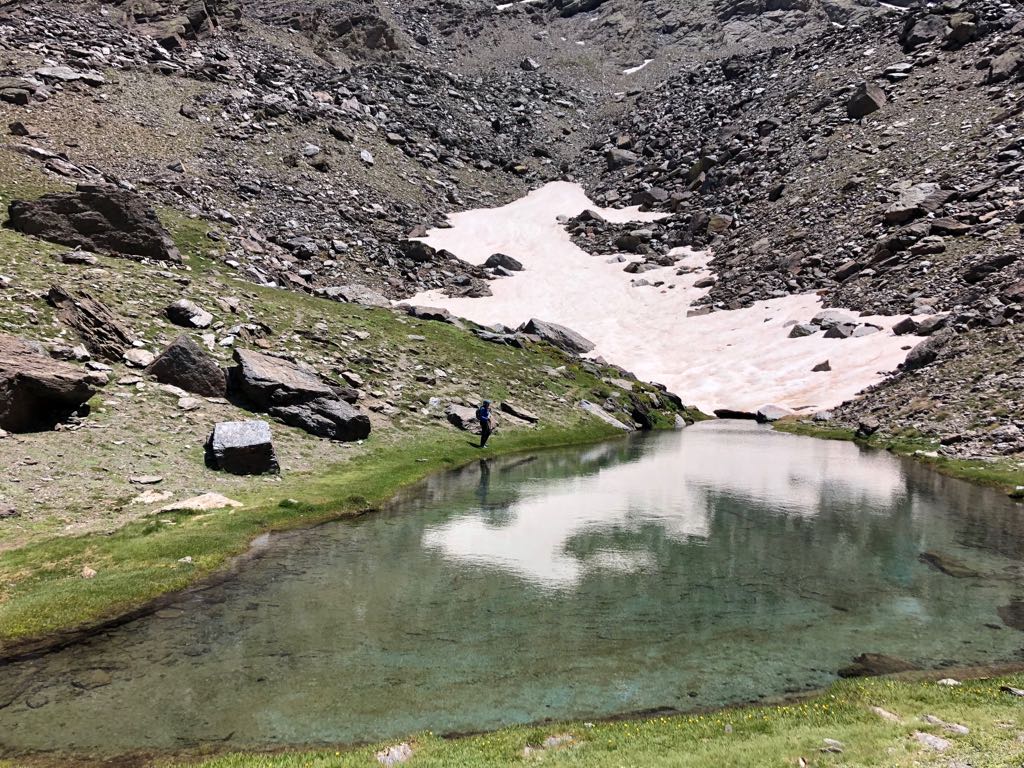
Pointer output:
559, 336
36, 391
186, 365
242, 448
97, 218
874, 664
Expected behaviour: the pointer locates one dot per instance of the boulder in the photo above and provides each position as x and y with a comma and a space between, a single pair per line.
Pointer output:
518, 412
417, 251
771, 412
463, 418
867, 426
603, 415
102, 331
506, 262
620, 158
329, 417
36, 391
97, 218
295, 396
356, 293
186, 365
801, 330
866, 99
559, 336
242, 448
188, 314
913, 202
922, 30
927, 351
1005, 65
435, 314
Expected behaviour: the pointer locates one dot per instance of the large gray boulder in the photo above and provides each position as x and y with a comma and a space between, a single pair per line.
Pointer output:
295, 396
242, 448
36, 391
96, 217
558, 336
187, 365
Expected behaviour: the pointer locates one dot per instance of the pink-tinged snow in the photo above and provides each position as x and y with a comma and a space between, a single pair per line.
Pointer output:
740, 359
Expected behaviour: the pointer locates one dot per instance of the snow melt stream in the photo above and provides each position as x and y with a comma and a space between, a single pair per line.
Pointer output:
740, 359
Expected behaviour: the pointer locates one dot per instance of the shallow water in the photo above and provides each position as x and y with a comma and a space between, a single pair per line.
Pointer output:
721, 564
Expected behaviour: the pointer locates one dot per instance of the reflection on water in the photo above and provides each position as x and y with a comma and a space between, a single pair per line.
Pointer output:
722, 564
673, 487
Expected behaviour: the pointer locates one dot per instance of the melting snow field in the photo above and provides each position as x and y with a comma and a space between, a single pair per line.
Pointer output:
740, 359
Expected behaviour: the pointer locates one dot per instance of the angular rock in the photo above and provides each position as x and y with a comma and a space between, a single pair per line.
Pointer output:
520, 413
97, 218
102, 331
463, 418
186, 365
297, 397
558, 336
329, 417
36, 391
188, 314
866, 99
506, 262
927, 351
603, 415
356, 293
435, 314
242, 448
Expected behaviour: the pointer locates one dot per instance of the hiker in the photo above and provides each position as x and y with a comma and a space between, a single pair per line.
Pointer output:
483, 415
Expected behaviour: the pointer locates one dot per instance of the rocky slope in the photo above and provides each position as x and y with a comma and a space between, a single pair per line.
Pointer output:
867, 151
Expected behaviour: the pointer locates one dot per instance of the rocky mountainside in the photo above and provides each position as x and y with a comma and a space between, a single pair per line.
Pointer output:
868, 151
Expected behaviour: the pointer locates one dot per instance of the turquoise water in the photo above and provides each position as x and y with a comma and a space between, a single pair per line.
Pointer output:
722, 564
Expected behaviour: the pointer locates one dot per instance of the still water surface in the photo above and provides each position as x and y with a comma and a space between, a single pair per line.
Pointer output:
721, 564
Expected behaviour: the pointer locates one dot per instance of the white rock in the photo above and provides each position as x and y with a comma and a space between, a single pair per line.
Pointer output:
203, 503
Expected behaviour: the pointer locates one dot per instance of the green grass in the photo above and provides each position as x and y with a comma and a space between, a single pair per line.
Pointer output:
1003, 474
760, 736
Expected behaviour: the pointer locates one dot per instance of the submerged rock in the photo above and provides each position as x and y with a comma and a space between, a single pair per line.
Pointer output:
873, 664
947, 565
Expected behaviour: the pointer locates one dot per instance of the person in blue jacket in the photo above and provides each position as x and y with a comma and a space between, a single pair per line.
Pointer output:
483, 415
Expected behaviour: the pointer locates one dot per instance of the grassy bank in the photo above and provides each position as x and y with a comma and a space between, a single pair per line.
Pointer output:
739, 737
1003, 474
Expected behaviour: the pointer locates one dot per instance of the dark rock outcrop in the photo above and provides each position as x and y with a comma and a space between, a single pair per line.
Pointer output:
97, 218
36, 391
242, 448
103, 332
295, 396
187, 365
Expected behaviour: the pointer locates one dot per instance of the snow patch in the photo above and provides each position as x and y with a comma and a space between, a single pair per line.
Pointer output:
738, 359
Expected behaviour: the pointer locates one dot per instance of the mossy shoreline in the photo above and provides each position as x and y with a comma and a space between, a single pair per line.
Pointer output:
1001, 474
